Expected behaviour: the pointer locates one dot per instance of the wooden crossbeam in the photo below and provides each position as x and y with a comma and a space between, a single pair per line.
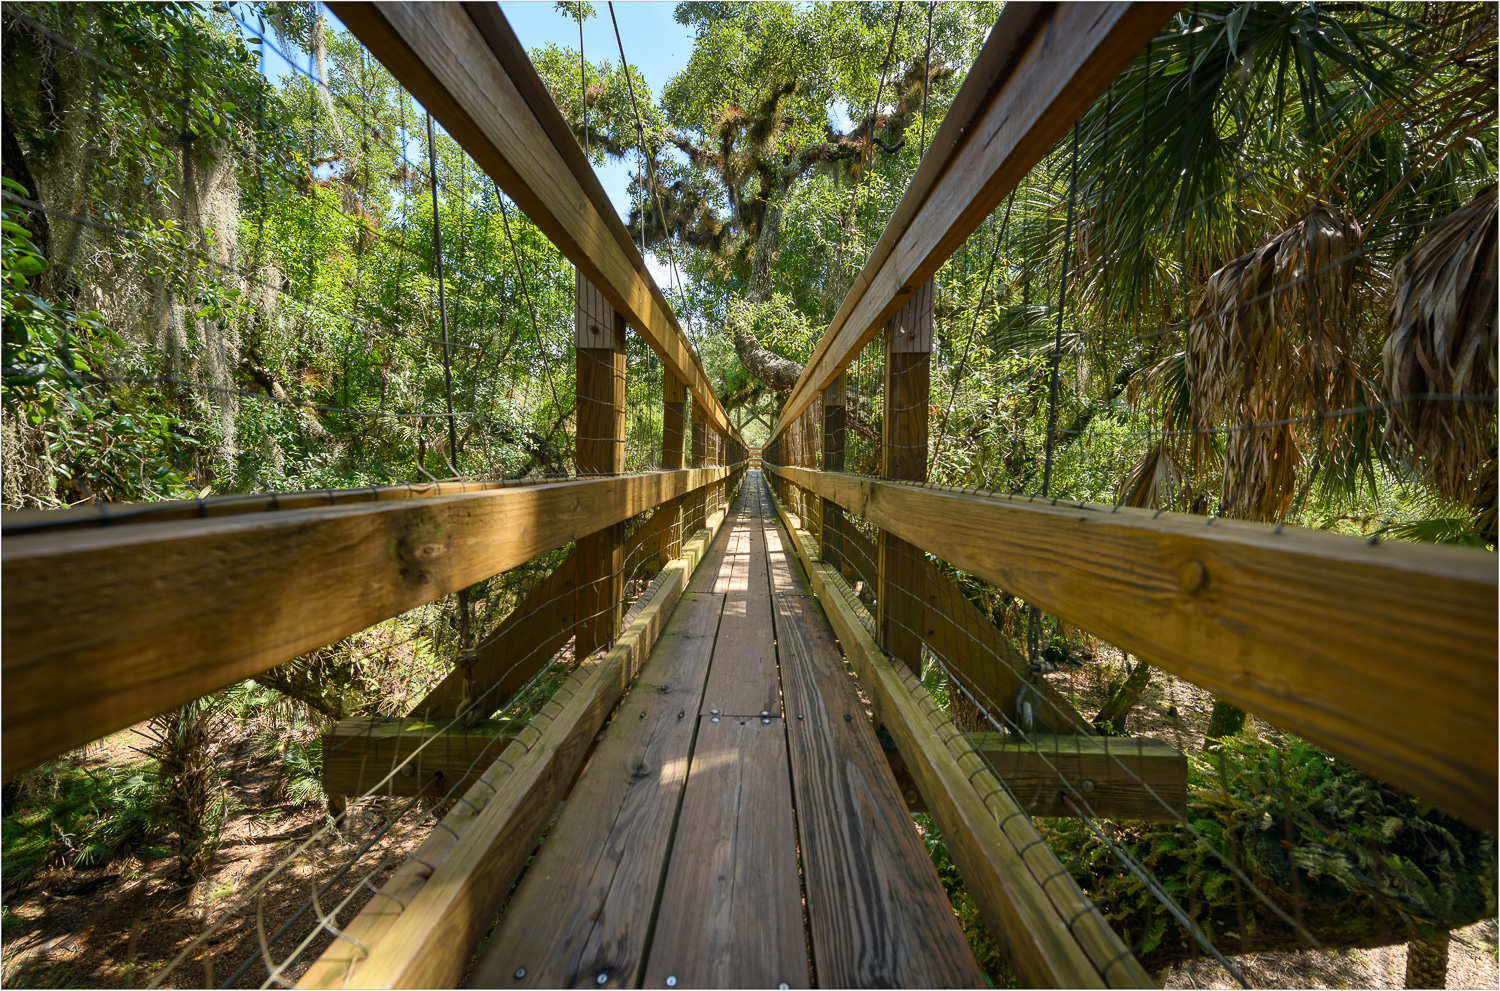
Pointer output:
429, 756
1041, 68
1384, 654
464, 64
1106, 777
442, 900
1050, 932
107, 626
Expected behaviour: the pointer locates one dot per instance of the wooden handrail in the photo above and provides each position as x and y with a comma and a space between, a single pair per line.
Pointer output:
107, 626
464, 64
1040, 69
1384, 654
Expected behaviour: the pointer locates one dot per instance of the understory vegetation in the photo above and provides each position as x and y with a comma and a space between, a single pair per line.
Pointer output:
1257, 281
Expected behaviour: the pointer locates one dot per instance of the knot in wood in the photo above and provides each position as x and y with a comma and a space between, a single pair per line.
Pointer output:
1192, 576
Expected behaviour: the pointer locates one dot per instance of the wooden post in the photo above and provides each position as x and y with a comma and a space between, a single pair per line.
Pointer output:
599, 340
908, 357
833, 460
673, 419
697, 505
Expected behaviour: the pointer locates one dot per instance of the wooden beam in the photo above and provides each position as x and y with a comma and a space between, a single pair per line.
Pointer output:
105, 627
464, 64
833, 460
1384, 654
1108, 777
900, 598
1051, 934
358, 753
443, 900
599, 344
1041, 68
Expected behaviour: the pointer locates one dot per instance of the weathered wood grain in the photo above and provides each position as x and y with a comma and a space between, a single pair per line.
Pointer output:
743, 679
731, 908
1052, 936
105, 627
1108, 777
1038, 72
584, 908
442, 755
1327, 636
879, 917
450, 892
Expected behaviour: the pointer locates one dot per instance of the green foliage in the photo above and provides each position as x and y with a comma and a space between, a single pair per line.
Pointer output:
64, 813
1352, 858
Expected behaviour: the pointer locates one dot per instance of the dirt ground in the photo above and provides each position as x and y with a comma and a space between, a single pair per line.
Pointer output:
119, 925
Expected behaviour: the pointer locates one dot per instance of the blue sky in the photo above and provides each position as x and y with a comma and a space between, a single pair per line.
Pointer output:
654, 43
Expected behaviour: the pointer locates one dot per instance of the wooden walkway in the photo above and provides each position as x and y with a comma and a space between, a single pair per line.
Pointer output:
737, 825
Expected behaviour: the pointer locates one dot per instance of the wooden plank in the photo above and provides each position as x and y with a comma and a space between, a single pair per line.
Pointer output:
1109, 777
18, 522
464, 64
1041, 68
743, 679
878, 913
448, 894
105, 627
1050, 933
1327, 636
583, 910
440, 755
731, 907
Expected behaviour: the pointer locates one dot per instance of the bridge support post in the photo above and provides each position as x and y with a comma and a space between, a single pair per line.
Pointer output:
833, 460
901, 616
673, 422
697, 514
599, 341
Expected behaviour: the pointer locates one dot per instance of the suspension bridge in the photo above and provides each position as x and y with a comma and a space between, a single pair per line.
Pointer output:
719, 792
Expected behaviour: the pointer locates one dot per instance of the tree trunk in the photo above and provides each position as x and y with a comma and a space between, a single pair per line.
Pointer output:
1427, 962
1112, 718
1225, 721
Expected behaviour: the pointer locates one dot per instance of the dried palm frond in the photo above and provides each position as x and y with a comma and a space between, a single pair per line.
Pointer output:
1157, 481
1271, 339
1442, 342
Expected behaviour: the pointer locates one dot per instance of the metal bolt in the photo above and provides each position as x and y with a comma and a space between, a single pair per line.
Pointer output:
408, 770
783, 985
765, 722
799, 715
602, 978
671, 982
1088, 786
714, 719
520, 972
764, 713
713, 712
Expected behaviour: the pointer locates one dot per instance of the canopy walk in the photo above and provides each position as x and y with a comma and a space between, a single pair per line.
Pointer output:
717, 791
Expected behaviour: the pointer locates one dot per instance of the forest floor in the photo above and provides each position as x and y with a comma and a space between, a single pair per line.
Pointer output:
118, 924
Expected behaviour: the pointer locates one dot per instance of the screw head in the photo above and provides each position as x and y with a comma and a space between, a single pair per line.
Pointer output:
783, 985
601, 979
1088, 786
713, 712
671, 982
764, 713
714, 719
520, 972
765, 722
799, 715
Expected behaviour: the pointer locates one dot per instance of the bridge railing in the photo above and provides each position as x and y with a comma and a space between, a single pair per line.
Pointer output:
514, 610
1380, 652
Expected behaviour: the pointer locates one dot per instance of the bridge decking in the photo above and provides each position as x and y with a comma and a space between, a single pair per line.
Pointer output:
742, 754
